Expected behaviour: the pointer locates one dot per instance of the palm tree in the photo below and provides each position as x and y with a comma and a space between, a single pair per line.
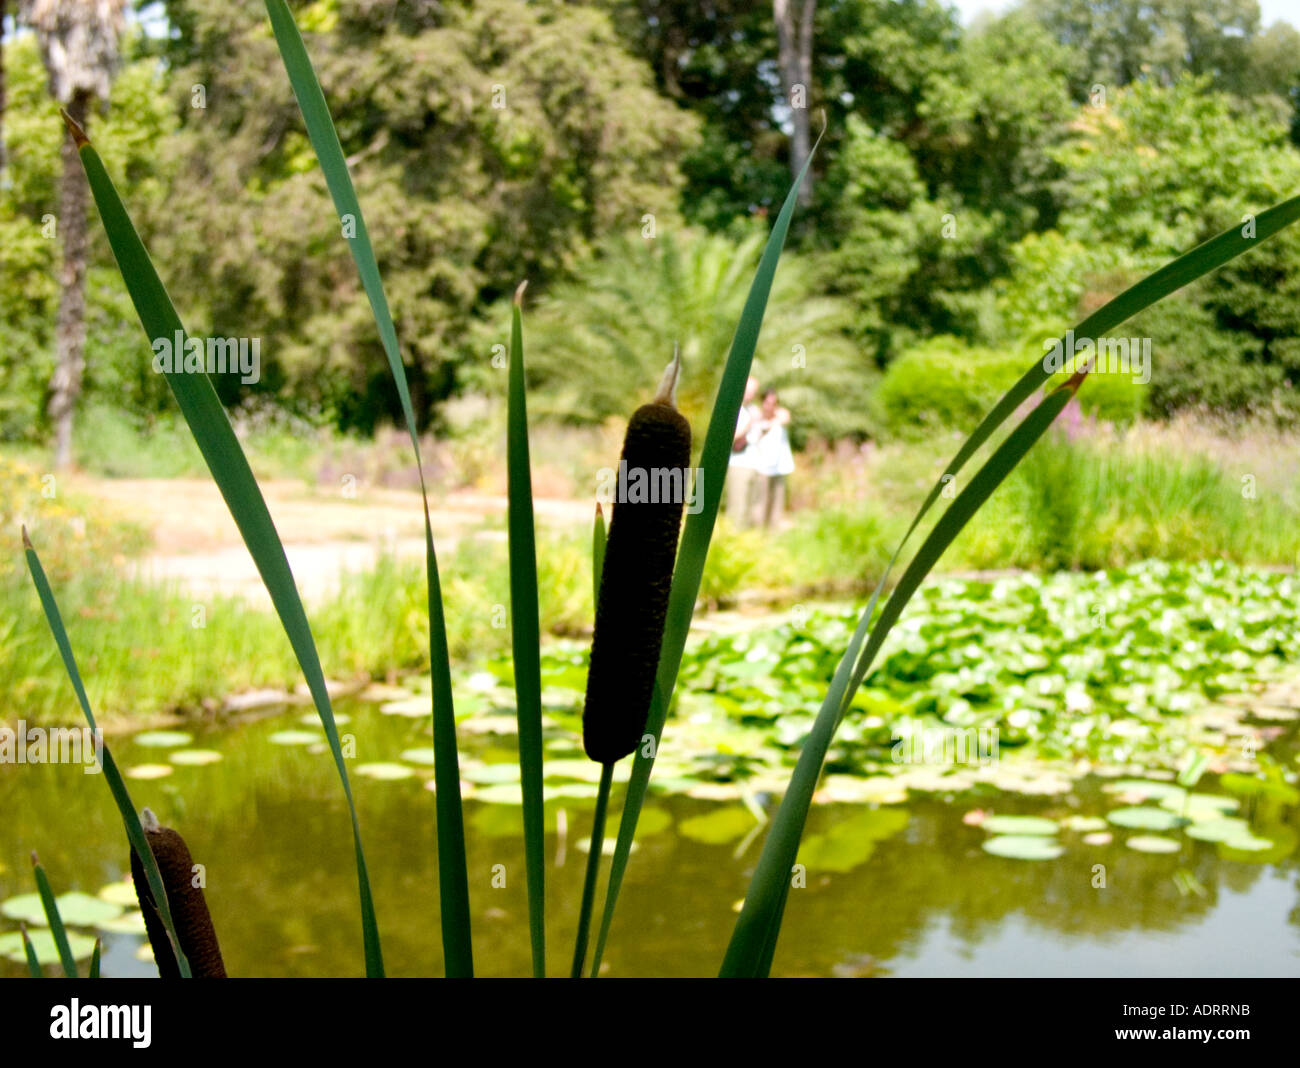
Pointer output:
79, 41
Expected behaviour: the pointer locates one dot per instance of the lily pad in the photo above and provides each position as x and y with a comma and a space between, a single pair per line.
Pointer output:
715, 828
1218, 830
1145, 787
292, 737
1144, 817
128, 923
850, 842
1020, 825
422, 754
1152, 843
1024, 847
163, 739
1098, 838
1200, 806
83, 910
11, 946
490, 774
25, 907
195, 757
119, 893
1084, 824
387, 772
148, 771
410, 707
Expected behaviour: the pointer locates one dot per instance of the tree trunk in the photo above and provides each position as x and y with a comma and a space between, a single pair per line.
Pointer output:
4, 10
70, 329
794, 61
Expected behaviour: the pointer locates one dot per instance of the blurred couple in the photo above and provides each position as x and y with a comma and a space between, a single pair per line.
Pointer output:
761, 460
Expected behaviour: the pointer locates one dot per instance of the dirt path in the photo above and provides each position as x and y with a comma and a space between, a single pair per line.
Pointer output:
196, 543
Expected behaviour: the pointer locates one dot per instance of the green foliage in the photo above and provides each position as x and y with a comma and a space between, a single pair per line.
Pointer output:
468, 188
601, 341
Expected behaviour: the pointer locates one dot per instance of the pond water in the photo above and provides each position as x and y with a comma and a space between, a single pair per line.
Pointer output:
899, 889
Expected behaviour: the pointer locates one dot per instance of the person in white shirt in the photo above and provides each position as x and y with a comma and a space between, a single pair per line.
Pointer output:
741, 476
773, 460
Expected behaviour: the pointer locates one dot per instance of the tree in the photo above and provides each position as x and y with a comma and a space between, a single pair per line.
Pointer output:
80, 48
489, 143
794, 59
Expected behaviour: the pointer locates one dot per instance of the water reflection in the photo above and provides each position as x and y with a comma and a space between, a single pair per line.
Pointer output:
909, 893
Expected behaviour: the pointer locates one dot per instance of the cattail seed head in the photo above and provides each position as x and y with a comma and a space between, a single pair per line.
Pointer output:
636, 578
189, 911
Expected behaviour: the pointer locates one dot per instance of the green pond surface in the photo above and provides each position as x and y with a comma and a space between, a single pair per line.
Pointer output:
896, 889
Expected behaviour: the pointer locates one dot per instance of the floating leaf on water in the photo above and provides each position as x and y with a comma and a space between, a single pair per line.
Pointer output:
1152, 843
850, 789
1098, 838
195, 757
851, 841
1020, 825
1217, 830
292, 737
83, 910
1145, 788
1267, 846
422, 754
713, 791
718, 827
148, 771
490, 774
410, 707
25, 907
387, 772
1145, 817
163, 739
1024, 847
1200, 806
1083, 823
500, 794
119, 893
566, 791
128, 923
11, 946
653, 821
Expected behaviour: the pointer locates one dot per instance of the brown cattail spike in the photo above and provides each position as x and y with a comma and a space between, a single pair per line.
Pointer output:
189, 910
637, 575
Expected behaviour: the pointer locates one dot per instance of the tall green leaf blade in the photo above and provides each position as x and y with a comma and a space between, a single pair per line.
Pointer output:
116, 784
526, 640
597, 551
696, 536
95, 955
55, 921
453, 877
29, 951
225, 458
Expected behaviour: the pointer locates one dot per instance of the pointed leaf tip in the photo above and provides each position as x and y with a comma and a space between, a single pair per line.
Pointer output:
36, 861
27, 542
519, 293
74, 128
599, 513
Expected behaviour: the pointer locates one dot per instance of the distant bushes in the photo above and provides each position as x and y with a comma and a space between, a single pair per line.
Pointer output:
946, 384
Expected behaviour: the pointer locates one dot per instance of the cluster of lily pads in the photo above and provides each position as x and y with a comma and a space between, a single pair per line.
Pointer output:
1157, 810
113, 910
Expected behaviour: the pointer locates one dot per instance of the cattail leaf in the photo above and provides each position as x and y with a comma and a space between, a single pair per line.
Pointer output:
594, 852
526, 640
225, 459
453, 876
94, 959
52, 917
29, 951
696, 536
112, 776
